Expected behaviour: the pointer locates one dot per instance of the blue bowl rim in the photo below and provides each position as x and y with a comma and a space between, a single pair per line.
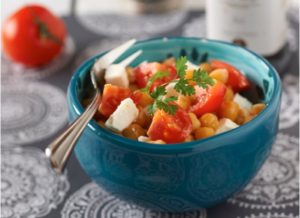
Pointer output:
178, 147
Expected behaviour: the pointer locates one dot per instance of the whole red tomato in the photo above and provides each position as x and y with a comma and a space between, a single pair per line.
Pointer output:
33, 36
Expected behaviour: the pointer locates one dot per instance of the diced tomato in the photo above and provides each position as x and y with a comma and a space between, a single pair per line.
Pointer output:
111, 98
136, 96
208, 100
170, 128
145, 70
141, 98
236, 79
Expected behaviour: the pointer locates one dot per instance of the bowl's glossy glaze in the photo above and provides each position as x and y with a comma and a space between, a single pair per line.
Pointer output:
184, 176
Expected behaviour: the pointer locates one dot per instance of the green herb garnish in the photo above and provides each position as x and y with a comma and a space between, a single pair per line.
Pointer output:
156, 76
202, 78
181, 66
161, 102
182, 86
163, 105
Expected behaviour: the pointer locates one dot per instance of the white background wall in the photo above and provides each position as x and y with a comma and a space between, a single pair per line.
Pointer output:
63, 6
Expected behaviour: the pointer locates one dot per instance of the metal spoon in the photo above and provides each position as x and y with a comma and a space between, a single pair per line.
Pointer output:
61, 148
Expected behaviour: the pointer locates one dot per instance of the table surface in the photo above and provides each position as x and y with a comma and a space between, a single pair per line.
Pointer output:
31, 189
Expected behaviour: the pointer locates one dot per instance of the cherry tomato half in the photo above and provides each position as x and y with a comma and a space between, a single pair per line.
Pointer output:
236, 79
208, 100
33, 36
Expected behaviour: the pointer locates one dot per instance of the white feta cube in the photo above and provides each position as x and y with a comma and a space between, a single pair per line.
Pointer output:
191, 66
226, 125
123, 116
116, 75
170, 90
242, 101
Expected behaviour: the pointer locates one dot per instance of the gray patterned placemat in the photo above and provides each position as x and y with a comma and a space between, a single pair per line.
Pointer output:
29, 186
31, 111
111, 207
277, 183
120, 26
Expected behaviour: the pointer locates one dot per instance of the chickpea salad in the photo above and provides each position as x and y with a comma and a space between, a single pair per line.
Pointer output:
174, 101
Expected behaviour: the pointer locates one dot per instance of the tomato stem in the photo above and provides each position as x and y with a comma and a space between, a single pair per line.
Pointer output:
44, 31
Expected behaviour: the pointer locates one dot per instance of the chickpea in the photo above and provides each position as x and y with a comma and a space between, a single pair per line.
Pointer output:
133, 87
130, 74
204, 132
146, 139
170, 61
206, 67
195, 122
145, 99
209, 120
228, 94
229, 110
143, 119
133, 131
157, 142
248, 118
220, 75
257, 108
189, 76
189, 138
184, 101
243, 115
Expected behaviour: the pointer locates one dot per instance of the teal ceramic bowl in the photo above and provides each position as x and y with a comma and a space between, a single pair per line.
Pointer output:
186, 176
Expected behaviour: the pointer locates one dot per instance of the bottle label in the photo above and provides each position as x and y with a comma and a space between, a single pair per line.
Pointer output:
260, 25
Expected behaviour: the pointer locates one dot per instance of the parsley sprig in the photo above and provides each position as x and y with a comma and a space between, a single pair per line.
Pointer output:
161, 102
202, 78
182, 86
199, 76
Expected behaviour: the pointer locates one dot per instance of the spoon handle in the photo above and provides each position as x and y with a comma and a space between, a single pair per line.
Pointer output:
61, 148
